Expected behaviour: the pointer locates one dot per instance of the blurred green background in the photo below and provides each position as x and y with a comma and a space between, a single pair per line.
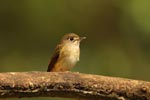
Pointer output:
117, 31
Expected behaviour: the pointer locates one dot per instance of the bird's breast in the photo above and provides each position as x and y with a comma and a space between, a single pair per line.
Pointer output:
69, 55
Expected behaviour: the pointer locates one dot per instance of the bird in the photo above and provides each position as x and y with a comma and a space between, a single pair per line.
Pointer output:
66, 53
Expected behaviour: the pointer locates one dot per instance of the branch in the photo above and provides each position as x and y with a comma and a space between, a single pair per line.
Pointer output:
71, 85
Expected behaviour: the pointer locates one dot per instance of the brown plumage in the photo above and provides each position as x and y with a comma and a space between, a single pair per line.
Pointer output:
66, 53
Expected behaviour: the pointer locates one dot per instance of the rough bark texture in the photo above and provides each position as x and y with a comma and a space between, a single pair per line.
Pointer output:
71, 85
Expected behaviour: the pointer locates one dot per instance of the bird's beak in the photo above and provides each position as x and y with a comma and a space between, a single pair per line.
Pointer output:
82, 38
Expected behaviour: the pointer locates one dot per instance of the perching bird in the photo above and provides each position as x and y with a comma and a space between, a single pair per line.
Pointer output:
66, 53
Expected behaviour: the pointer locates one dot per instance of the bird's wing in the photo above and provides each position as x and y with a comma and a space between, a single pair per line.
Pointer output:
54, 59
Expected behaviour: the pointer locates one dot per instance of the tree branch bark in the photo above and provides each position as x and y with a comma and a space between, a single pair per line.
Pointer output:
71, 85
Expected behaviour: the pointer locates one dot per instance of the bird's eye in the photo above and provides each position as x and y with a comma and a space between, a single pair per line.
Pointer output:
71, 38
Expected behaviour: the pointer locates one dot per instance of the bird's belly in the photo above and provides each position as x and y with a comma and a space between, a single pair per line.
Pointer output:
66, 63
69, 62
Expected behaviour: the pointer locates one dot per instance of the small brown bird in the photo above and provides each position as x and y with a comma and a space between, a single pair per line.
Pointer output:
66, 53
